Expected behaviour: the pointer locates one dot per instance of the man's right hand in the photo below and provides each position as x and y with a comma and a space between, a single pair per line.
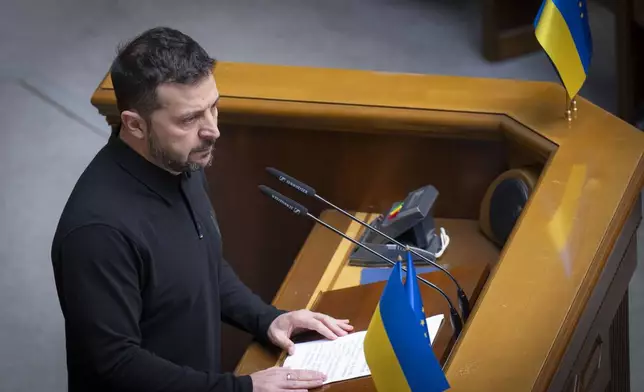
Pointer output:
279, 379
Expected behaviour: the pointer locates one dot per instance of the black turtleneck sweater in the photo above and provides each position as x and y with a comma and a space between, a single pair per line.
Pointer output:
142, 283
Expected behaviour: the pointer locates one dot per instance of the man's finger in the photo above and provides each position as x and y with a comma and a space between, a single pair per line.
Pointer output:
301, 379
343, 323
290, 347
282, 341
306, 384
307, 375
336, 328
322, 329
333, 325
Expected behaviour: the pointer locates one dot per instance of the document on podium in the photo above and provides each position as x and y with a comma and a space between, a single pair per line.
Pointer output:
343, 358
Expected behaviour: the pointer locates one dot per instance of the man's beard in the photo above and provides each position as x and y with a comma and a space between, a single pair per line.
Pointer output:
171, 162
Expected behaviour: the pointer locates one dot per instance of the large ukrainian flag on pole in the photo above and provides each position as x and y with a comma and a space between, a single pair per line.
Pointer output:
397, 347
562, 29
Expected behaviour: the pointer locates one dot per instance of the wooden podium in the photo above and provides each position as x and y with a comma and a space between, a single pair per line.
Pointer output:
551, 308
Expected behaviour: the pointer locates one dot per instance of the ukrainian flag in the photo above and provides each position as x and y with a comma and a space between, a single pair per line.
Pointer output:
396, 346
562, 29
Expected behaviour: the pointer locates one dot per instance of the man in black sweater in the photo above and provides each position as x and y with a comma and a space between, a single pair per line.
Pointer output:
137, 254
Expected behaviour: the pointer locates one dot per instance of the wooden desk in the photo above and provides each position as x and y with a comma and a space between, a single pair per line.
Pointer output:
556, 298
470, 258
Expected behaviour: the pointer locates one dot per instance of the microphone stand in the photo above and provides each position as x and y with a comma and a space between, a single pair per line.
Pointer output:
464, 302
299, 209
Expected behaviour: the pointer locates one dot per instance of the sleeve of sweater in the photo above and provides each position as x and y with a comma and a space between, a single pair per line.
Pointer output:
242, 308
98, 281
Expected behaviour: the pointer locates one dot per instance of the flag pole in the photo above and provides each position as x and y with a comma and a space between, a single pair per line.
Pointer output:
569, 110
574, 106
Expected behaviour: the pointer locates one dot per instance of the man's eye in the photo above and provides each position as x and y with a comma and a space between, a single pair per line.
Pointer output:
189, 120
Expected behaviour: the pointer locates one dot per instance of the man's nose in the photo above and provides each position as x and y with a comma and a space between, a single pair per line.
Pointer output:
209, 133
209, 129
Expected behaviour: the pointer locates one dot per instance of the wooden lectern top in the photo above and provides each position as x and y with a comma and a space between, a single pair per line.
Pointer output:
594, 169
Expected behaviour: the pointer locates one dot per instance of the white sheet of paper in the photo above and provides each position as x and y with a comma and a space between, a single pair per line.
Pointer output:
433, 325
342, 358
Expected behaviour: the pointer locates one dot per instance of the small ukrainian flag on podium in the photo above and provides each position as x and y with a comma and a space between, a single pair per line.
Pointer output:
563, 31
397, 346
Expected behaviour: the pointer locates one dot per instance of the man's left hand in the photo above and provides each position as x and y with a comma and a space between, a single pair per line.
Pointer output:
288, 324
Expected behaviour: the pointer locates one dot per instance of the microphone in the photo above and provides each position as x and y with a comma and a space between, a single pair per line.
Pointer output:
463, 301
299, 209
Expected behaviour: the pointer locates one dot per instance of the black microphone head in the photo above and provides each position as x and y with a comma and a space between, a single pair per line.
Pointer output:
288, 180
295, 207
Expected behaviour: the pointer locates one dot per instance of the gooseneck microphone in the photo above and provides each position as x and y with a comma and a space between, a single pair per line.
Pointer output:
464, 303
299, 209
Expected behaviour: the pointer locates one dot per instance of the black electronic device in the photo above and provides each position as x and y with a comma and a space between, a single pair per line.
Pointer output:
409, 222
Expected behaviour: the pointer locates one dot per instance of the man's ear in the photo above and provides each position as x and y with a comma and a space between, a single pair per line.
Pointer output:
134, 124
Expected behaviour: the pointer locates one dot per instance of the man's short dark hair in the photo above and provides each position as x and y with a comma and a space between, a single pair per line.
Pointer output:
159, 55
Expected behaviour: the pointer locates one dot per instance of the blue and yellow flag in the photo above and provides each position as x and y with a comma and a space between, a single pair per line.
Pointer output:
396, 346
413, 294
562, 29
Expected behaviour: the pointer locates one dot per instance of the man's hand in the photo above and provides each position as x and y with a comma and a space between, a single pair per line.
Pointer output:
288, 324
278, 379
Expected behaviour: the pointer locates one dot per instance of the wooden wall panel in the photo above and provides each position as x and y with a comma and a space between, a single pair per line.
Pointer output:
357, 171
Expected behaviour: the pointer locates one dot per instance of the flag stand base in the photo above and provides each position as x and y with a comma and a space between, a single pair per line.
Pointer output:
571, 108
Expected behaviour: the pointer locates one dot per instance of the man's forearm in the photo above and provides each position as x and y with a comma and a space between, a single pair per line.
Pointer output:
241, 307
